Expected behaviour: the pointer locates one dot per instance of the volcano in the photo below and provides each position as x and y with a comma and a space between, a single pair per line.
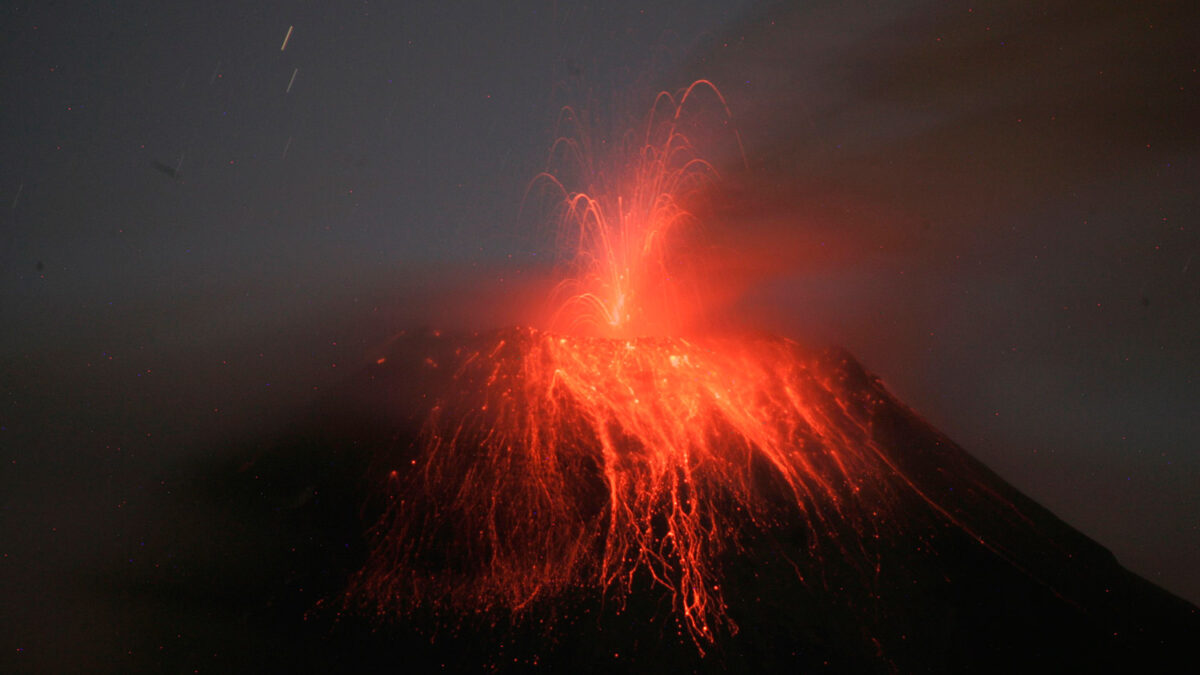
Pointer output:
628, 488
525, 523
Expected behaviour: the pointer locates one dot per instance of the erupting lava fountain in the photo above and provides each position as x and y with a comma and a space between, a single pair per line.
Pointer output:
606, 453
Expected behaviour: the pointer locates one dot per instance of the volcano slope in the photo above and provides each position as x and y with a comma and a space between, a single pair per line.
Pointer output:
814, 523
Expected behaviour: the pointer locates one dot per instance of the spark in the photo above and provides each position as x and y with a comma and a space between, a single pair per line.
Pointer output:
292, 81
286, 146
286, 38
626, 245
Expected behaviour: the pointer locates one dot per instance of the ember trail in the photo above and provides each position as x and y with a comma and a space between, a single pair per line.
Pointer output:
605, 452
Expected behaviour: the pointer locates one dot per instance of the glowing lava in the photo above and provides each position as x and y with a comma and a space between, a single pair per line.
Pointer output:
593, 457
565, 462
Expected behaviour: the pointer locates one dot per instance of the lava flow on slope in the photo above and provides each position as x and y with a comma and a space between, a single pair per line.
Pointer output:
571, 461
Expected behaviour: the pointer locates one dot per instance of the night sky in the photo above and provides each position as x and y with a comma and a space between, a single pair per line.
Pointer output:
993, 205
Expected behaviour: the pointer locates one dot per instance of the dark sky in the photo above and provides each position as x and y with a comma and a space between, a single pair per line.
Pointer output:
992, 204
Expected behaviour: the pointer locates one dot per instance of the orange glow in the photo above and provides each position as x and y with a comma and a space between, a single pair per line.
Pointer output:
607, 452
